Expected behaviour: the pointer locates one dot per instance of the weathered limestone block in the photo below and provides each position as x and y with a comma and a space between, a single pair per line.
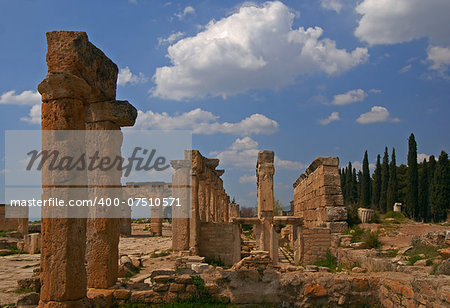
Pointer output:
63, 275
264, 181
121, 113
180, 220
333, 213
337, 226
32, 243
71, 52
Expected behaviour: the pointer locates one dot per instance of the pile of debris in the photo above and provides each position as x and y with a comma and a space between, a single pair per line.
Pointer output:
258, 259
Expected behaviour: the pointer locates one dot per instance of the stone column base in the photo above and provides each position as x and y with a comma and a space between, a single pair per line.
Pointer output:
67, 304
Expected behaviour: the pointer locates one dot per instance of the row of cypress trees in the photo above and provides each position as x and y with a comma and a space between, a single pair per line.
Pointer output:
423, 188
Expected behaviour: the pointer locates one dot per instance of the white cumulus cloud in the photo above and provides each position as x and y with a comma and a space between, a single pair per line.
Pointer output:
405, 69
243, 152
171, 38
254, 48
248, 178
376, 114
333, 5
34, 116
27, 97
352, 96
127, 77
205, 122
334, 116
397, 21
439, 57
422, 156
187, 11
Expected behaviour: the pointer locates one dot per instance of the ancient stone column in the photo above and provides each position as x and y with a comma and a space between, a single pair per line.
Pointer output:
156, 212
213, 198
63, 274
264, 183
208, 196
22, 228
273, 244
201, 196
233, 210
180, 220
226, 210
212, 164
102, 247
194, 225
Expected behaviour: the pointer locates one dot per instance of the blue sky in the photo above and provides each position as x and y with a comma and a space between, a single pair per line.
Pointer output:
302, 78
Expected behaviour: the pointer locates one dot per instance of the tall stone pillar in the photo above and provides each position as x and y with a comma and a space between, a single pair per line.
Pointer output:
213, 198
156, 212
208, 197
264, 182
201, 196
156, 220
102, 246
212, 164
196, 170
63, 245
180, 220
226, 210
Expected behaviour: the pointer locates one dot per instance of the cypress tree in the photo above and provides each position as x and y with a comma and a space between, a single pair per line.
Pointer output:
355, 187
342, 174
392, 185
440, 189
431, 167
349, 184
365, 182
412, 204
377, 184
384, 181
423, 191
342, 177
359, 185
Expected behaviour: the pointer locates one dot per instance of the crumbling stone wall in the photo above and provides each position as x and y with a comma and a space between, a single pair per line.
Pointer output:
20, 224
318, 196
217, 242
150, 190
314, 244
209, 201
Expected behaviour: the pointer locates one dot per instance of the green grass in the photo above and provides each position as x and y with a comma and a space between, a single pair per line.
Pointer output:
329, 261
391, 253
375, 219
395, 215
23, 291
161, 253
3, 232
12, 251
415, 253
356, 233
215, 262
434, 269
198, 303
132, 273
371, 240
247, 227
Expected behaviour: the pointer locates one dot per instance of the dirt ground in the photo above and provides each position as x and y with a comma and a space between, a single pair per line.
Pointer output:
399, 236
142, 245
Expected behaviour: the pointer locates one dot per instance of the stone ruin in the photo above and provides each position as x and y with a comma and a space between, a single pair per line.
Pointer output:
79, 93
79, 257
318, 200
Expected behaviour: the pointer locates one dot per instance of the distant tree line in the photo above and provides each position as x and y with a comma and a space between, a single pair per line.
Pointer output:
423, 189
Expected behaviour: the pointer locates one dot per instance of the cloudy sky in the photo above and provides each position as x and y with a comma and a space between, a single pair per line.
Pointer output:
302, 78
